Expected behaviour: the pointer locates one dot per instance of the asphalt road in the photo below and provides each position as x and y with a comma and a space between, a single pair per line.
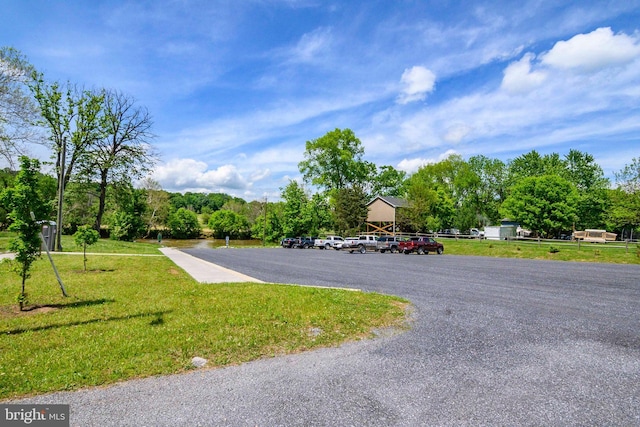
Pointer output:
499, 342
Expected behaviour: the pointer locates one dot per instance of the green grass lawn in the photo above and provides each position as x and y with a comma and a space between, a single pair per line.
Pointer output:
615, 252
132, 317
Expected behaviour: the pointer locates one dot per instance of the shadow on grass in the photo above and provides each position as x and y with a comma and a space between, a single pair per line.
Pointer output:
158, 319
72, 304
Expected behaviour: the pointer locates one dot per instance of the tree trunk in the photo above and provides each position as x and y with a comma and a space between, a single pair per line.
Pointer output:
102, 199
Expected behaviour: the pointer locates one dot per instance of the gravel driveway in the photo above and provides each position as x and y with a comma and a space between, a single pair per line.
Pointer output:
498, 342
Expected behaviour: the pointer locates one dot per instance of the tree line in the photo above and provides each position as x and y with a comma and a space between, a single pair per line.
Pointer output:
100, 142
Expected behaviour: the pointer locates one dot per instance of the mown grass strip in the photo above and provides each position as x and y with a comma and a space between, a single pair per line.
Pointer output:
615, 252
131, 317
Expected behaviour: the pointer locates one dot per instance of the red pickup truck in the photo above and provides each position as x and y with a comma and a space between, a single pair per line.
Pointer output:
420, 245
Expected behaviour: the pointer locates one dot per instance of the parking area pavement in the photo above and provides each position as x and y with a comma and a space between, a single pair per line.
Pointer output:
492, 342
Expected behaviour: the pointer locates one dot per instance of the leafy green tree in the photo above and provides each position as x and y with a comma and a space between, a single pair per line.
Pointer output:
73, 120
80, 205
128, 209
17, 110
7, 177
624, 213
316, 214
295, 200
350, 209
441, 195
490, 190
388, 181
85, 236
544, 204
271, 229
524, 166
628, 179
588, 177
184, 224
228, 223
422, 197
26, 205
334, 161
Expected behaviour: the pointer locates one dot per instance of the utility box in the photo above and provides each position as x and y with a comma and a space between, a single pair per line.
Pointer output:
49, 235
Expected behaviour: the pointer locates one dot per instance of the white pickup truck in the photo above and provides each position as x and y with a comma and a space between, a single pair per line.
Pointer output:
329, 242
363, 244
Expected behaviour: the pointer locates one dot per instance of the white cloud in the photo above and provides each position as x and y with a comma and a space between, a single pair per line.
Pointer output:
311, 45
518, 77
193, 175
418, 82
412, 165
457, 132
593, 51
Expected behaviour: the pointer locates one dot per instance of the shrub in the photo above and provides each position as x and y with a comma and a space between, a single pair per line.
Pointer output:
184, 224
228, 223
553, 250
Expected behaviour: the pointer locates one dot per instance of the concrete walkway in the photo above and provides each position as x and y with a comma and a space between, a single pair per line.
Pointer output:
203, 271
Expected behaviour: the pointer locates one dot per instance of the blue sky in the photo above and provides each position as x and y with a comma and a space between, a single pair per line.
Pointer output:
236, 87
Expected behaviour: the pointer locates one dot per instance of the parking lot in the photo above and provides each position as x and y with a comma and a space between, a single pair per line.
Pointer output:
493, 341
499, 342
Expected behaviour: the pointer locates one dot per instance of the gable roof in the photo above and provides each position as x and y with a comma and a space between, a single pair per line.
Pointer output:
394, 202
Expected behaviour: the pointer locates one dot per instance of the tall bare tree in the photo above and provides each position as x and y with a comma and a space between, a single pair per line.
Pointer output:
17, 110
123, 152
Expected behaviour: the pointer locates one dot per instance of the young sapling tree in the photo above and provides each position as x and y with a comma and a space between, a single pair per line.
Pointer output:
85, 236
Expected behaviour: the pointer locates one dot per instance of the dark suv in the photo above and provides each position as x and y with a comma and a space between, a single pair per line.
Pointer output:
389, 243
288, 242
304, 242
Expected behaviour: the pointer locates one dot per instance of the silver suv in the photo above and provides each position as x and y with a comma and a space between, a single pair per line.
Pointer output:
389, 243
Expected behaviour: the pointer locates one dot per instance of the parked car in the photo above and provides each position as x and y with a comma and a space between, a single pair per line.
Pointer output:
389, 243
449, 232
304, 242
361, 244
288, 242
421, 245
330, 242
475, 233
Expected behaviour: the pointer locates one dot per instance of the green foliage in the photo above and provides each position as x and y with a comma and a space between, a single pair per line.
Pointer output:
388, 181
273, 231
552, 250
628, 179
295, 199
334, 161
85, 236
490, 191
128, 211
80, 205
350, 210
197, 201
25, 200
228, 223
184, 224
122, 226
7, 177
545, 204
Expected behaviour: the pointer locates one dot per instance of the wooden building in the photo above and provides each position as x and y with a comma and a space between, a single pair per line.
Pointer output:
383, 214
